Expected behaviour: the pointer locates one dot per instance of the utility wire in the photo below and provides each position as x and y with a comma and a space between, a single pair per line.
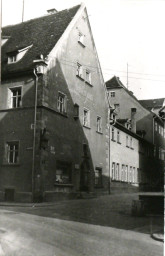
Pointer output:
88, 66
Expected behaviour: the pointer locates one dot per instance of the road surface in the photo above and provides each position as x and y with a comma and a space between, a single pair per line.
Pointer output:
24, 234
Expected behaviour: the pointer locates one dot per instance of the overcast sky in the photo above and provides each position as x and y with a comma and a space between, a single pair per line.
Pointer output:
125, 31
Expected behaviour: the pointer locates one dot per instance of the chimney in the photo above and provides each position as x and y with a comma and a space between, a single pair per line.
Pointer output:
133, 120
52, 11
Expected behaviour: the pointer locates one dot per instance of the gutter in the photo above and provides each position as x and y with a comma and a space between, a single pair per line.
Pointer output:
34, 134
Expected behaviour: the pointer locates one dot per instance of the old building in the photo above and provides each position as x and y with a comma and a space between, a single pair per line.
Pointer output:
53, 109
143, 124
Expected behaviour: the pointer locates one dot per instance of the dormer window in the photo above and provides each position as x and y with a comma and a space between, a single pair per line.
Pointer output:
15, 56
12, 58
4, 40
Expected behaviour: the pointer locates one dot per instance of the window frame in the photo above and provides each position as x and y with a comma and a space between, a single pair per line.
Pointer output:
12, 153
81, 38
86, 124
112, 94
17, 98
99, 177
79, 71
99, 124
62, 104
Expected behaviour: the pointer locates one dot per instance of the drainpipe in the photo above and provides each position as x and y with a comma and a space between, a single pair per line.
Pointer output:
34, 134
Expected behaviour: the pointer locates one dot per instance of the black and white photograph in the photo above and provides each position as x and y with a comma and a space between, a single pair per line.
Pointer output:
82, 128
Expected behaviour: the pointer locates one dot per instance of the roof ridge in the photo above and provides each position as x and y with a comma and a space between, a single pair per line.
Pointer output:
43, 16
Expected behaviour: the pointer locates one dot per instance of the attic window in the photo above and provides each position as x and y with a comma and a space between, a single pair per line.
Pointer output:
17, 55
81, 39
4, 40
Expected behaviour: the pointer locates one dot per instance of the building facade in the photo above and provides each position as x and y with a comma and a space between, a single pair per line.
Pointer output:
53, 109
146, 125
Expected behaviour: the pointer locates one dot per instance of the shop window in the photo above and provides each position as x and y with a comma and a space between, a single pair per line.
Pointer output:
63, 172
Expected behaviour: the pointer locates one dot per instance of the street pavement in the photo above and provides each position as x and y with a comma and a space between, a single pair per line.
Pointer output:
99, 226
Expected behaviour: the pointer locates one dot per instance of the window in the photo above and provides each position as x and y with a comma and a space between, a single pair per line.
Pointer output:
113, 134
12, 58
17, 55
133, 175
88, 76
112, 94
156, 126
118, 136
130, 174
126, 173
159, 129
154, 151
81, 38
159, 153
63, 172
79, 70
15, 97
86, 118
61, 103
117, 172
162, 131
127, 139
12, 152
113, 171
85, 150
76, 111
117, 108
98, 176
99, 124
122, 172
130, 142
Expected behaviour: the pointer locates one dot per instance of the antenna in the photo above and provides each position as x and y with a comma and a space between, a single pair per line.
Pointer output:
127, 75
23, 11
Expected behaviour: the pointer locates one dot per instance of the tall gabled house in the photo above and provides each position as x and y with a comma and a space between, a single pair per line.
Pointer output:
53, 109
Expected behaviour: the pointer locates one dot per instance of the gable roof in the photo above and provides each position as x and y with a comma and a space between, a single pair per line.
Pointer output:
115, 83
153, 103
42, 33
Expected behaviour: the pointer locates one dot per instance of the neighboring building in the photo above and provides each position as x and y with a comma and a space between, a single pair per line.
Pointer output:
53, 109
147, 125
153, 105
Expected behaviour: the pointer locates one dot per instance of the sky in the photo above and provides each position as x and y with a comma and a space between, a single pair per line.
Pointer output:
127, 33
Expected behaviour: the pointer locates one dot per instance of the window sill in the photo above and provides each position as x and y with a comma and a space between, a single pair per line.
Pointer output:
86, 127
89, 83
132, 148
83, 45
99, 132
63, 185
119, 143
127, 146
7, 164
113, 140
81, 78
62, 113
